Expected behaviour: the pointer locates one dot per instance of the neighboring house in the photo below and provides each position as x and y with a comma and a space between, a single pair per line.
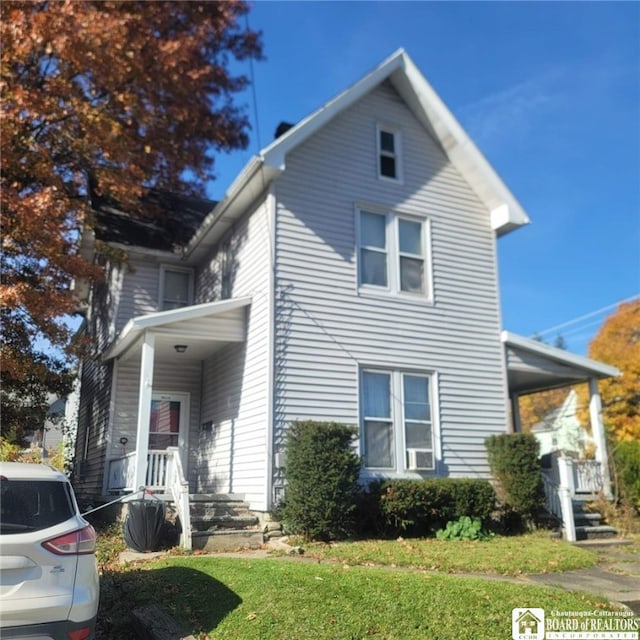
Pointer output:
61, 414
349, 274
561, 430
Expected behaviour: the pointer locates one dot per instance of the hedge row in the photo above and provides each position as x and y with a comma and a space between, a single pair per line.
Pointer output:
421, 507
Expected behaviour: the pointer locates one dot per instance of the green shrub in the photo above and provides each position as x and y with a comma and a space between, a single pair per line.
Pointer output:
322, 480
515, 466
626, 458
465, 528
421, 507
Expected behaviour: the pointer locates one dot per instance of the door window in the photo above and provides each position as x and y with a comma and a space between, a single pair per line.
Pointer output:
164, 426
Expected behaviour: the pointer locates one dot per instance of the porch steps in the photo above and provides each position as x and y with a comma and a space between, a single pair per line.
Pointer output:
588, 523
223, 522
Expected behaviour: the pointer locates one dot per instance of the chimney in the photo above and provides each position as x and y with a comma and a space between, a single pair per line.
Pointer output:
282, 128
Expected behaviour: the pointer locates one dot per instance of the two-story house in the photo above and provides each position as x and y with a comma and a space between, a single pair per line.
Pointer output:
349, 274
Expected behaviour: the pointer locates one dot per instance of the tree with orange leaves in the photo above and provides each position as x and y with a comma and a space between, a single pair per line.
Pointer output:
107, 97
618, 343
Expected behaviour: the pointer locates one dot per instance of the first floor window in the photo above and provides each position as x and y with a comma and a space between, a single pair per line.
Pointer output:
378, 425
397, 420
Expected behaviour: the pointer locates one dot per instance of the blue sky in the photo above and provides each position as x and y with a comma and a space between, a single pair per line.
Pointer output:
550, 93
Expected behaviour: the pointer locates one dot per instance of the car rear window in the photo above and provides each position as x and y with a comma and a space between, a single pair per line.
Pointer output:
31, 505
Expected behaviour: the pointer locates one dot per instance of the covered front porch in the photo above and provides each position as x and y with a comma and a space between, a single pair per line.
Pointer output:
533, 367
160, 390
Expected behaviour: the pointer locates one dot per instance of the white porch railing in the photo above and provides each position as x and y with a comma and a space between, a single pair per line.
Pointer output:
568, 479
164, 473
587, 476
122, 471
178, 488
558, 502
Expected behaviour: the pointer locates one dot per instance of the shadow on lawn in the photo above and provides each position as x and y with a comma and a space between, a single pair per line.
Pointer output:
195, 600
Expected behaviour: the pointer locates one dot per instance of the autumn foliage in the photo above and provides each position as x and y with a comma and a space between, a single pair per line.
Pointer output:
111, 98
618, 343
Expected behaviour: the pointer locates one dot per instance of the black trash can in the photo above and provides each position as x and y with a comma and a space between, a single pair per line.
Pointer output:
144, 525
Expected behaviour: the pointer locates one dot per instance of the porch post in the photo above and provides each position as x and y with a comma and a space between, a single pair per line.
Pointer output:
516, 424
597, 429
144, 410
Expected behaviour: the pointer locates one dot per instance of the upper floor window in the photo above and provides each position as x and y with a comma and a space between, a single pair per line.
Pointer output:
176, 287
397, 420
392, 252
389, 156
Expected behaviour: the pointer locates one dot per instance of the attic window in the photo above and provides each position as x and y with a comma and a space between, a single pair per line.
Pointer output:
388, 153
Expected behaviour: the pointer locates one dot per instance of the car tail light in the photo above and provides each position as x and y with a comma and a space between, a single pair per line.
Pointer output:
79, 634
77, 543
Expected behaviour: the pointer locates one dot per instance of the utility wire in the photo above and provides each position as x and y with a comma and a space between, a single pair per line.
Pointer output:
254, 93
586, 316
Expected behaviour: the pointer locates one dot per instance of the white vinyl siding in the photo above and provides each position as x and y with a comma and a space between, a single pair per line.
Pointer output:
232, 457
325, 331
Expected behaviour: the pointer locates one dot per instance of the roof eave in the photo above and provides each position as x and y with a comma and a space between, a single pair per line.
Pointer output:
594, 367
138, 325
248, 185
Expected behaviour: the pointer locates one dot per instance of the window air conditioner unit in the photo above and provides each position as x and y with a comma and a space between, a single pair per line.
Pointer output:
420, 459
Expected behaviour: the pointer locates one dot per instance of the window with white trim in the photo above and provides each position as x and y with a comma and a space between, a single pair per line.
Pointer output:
176, 287
392, 253
389, 156
397, 428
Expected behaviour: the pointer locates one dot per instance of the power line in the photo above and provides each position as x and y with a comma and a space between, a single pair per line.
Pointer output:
586, 315
254, 93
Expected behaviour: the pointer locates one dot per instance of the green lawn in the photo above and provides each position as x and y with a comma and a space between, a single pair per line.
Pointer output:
534, 553
303, 599
280, 599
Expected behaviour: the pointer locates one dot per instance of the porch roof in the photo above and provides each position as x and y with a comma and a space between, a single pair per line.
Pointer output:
534, 366
201, 328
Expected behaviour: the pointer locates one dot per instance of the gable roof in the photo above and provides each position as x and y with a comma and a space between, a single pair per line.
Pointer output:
506, 212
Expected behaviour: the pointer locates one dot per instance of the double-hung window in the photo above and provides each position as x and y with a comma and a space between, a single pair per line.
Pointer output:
397, 420
392, 253
176, 287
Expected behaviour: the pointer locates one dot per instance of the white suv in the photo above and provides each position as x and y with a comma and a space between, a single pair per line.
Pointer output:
49, 586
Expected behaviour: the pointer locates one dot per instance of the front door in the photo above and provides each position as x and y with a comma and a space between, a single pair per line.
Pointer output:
169, 423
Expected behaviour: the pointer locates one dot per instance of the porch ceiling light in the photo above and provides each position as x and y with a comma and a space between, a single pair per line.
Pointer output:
180, 348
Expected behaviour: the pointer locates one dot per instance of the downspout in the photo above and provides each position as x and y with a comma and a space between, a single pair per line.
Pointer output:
271, 372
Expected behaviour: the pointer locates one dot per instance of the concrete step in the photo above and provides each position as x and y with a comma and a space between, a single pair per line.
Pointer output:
218, 509
586, 519
216, 497
229, 540
595, 532
214, 523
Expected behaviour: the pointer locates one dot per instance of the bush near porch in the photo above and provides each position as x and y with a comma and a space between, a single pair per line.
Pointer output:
322, 480
515, 465
421, 507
